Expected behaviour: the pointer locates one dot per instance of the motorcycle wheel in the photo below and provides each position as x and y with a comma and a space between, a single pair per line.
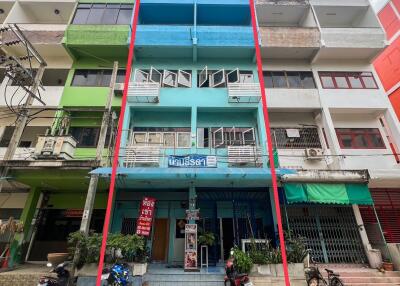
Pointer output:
313, 282
336, 282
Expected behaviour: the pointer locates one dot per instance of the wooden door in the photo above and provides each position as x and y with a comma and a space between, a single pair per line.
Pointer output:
160, 240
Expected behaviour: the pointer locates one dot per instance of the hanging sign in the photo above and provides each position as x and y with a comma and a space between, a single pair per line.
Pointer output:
192, 161
146, 215
190, 247
192, 214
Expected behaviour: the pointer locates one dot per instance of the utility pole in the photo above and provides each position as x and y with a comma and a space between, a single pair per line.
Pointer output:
94, 178
17, 72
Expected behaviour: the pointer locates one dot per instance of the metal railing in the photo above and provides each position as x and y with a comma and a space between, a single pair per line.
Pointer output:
144, 92
244, 92
244, 155
295, 138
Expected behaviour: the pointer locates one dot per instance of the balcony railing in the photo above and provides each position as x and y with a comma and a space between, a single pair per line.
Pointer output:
144, 92
244, 155
156, 155
244, 92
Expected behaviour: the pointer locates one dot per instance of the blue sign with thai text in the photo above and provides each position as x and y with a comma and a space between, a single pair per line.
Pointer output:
192, 161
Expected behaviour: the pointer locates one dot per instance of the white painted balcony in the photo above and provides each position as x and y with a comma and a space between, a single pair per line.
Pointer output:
284, 98
51, 95
137, 155
20, 154
144, 92
244, 92
244, 155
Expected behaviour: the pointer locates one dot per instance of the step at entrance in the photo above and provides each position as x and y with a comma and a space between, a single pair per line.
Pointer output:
366, 276
184, 279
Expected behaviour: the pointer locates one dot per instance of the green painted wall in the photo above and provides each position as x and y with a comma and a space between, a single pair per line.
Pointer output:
76, 96
107, 35
75, 201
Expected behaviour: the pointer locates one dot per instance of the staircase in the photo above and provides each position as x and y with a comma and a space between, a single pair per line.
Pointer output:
365, 276
158, 275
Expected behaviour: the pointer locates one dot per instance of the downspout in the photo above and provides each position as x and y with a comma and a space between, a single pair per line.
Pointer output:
194, 35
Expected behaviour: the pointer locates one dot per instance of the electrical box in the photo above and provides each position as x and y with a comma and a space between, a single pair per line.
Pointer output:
55, 147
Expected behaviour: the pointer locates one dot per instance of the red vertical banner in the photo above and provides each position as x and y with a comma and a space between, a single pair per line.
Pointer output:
146, 215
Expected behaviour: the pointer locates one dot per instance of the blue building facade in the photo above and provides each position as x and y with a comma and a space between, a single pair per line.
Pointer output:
194, 95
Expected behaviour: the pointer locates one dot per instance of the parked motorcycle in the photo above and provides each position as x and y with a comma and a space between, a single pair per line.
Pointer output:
62, 278
233, 277
117, 275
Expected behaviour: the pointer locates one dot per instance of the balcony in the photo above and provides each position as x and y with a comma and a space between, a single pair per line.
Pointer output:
136, 156
143, 92
108, 40
289, 42
244, 92
348, 31
293, 98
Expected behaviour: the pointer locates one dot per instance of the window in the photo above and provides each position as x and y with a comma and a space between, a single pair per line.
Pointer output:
289, 79
104, 14
347, 80
92, 78
360, 138
221, 137
166, 137
166, 78
221, 78
86, 136
295, 138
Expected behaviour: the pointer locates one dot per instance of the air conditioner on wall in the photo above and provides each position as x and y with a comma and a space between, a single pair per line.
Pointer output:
314, 153
55, 147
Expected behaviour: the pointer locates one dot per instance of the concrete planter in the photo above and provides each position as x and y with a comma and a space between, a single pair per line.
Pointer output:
88, 269
264, 270
296, 269
278, 270
138, 269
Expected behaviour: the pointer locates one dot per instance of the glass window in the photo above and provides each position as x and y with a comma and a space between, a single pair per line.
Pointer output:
346, 141
268, 79
139, 138
355, 81
154, 138
369, 81
294, 79
341, 81
169, 140
307, 79
110, 14
183, 139
376, 140
125, 15
279, 80
327, 81
360, 138
106, 78
86, 136
120, 76
96, 14
81, 15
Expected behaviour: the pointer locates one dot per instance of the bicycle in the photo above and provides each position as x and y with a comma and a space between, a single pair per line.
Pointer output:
315, 278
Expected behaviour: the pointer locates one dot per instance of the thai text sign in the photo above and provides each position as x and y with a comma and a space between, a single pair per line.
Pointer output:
146, 215
192, 161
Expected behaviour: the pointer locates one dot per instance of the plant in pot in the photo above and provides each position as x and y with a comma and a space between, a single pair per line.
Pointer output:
206, 238
387, 265
85, 251
261, 256
296, 253
242, 261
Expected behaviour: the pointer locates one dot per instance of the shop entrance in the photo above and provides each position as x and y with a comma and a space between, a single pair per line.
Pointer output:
160, 240
228, 238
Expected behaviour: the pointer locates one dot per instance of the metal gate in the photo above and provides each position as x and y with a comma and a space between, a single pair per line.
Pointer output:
331, 232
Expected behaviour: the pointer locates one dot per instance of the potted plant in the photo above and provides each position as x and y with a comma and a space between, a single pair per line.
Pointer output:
242, 261
387, 265
261, 257
206, 238
11, 227
296, 254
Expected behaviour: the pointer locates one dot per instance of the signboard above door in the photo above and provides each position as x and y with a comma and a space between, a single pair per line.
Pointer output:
192, 161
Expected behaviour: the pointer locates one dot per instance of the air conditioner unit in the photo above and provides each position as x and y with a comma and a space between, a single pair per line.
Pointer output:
314, 153
55, 147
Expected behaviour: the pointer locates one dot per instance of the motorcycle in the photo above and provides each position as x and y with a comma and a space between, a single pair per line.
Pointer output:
117, 275
62, 278
233, 277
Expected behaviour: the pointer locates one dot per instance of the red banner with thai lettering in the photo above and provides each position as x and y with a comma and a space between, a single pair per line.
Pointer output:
146, 215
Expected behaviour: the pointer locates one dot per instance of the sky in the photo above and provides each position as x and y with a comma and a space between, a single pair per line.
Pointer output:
378, 4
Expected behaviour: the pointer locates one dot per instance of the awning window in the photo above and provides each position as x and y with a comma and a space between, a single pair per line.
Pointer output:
328, 193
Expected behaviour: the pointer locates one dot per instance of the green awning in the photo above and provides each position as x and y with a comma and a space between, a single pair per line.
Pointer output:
347, 194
